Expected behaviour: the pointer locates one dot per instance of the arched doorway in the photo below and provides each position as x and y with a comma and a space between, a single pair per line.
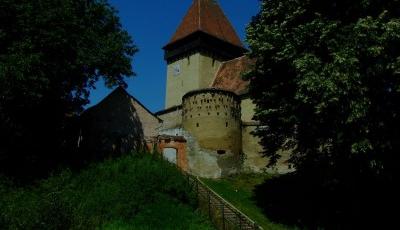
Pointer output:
170, 154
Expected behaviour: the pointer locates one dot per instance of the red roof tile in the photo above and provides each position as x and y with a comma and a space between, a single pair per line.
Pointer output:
229, 75
206, 16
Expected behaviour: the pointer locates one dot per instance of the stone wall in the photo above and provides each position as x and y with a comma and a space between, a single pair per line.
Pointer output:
171, 118
203, 162
254, 161
150, 123
202, 119
248, 109
118, 124
213, 118
209, 65
193, 72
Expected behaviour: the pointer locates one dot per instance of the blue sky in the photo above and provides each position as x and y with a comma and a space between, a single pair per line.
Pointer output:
151, 24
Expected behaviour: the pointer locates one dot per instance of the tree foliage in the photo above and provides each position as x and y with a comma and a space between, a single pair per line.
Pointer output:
326, 82
327, 86
51, 54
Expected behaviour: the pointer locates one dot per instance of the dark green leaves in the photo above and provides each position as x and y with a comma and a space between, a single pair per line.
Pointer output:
51, 54
327, 78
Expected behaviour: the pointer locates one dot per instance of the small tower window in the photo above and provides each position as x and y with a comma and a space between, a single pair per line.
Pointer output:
176, 70
226, 124
221, 152
197, 125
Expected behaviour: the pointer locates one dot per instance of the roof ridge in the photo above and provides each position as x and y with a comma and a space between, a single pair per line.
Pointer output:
130, 96
235, 59
216, 75
199, 6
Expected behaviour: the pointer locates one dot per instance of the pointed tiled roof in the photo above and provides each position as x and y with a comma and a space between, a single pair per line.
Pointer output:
206, 16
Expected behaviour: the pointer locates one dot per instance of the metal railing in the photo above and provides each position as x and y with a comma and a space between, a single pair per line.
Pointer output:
221, 213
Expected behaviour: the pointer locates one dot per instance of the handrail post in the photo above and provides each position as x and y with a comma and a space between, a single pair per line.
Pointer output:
244, 221
240, 222
197, 192
209, 204
223, 215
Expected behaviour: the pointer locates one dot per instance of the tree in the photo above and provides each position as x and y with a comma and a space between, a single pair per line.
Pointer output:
51, 54
327, 86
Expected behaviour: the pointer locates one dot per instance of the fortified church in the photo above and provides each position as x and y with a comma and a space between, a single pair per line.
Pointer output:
207, 122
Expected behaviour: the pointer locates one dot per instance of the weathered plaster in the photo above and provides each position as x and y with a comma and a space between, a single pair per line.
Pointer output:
196, 72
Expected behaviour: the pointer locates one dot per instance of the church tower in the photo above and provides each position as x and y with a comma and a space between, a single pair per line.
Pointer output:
204, 39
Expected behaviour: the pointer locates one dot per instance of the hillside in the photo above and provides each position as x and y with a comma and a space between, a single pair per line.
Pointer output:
133, 192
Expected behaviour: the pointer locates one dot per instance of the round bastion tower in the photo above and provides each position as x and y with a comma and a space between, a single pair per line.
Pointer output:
212, 116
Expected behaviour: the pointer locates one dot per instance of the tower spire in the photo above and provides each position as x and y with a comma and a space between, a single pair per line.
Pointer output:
204, 39
206, 16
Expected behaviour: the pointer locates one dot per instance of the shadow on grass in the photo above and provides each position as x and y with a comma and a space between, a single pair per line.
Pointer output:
297, 200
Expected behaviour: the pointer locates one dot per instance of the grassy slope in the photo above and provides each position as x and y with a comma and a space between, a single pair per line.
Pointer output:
133, 192
238, 190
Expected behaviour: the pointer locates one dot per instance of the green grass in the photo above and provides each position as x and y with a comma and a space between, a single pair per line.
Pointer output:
238, 190
133, 192
162, 215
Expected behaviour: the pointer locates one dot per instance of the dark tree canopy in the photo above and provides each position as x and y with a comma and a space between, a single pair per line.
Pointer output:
51, 54
326, 81
327, 85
